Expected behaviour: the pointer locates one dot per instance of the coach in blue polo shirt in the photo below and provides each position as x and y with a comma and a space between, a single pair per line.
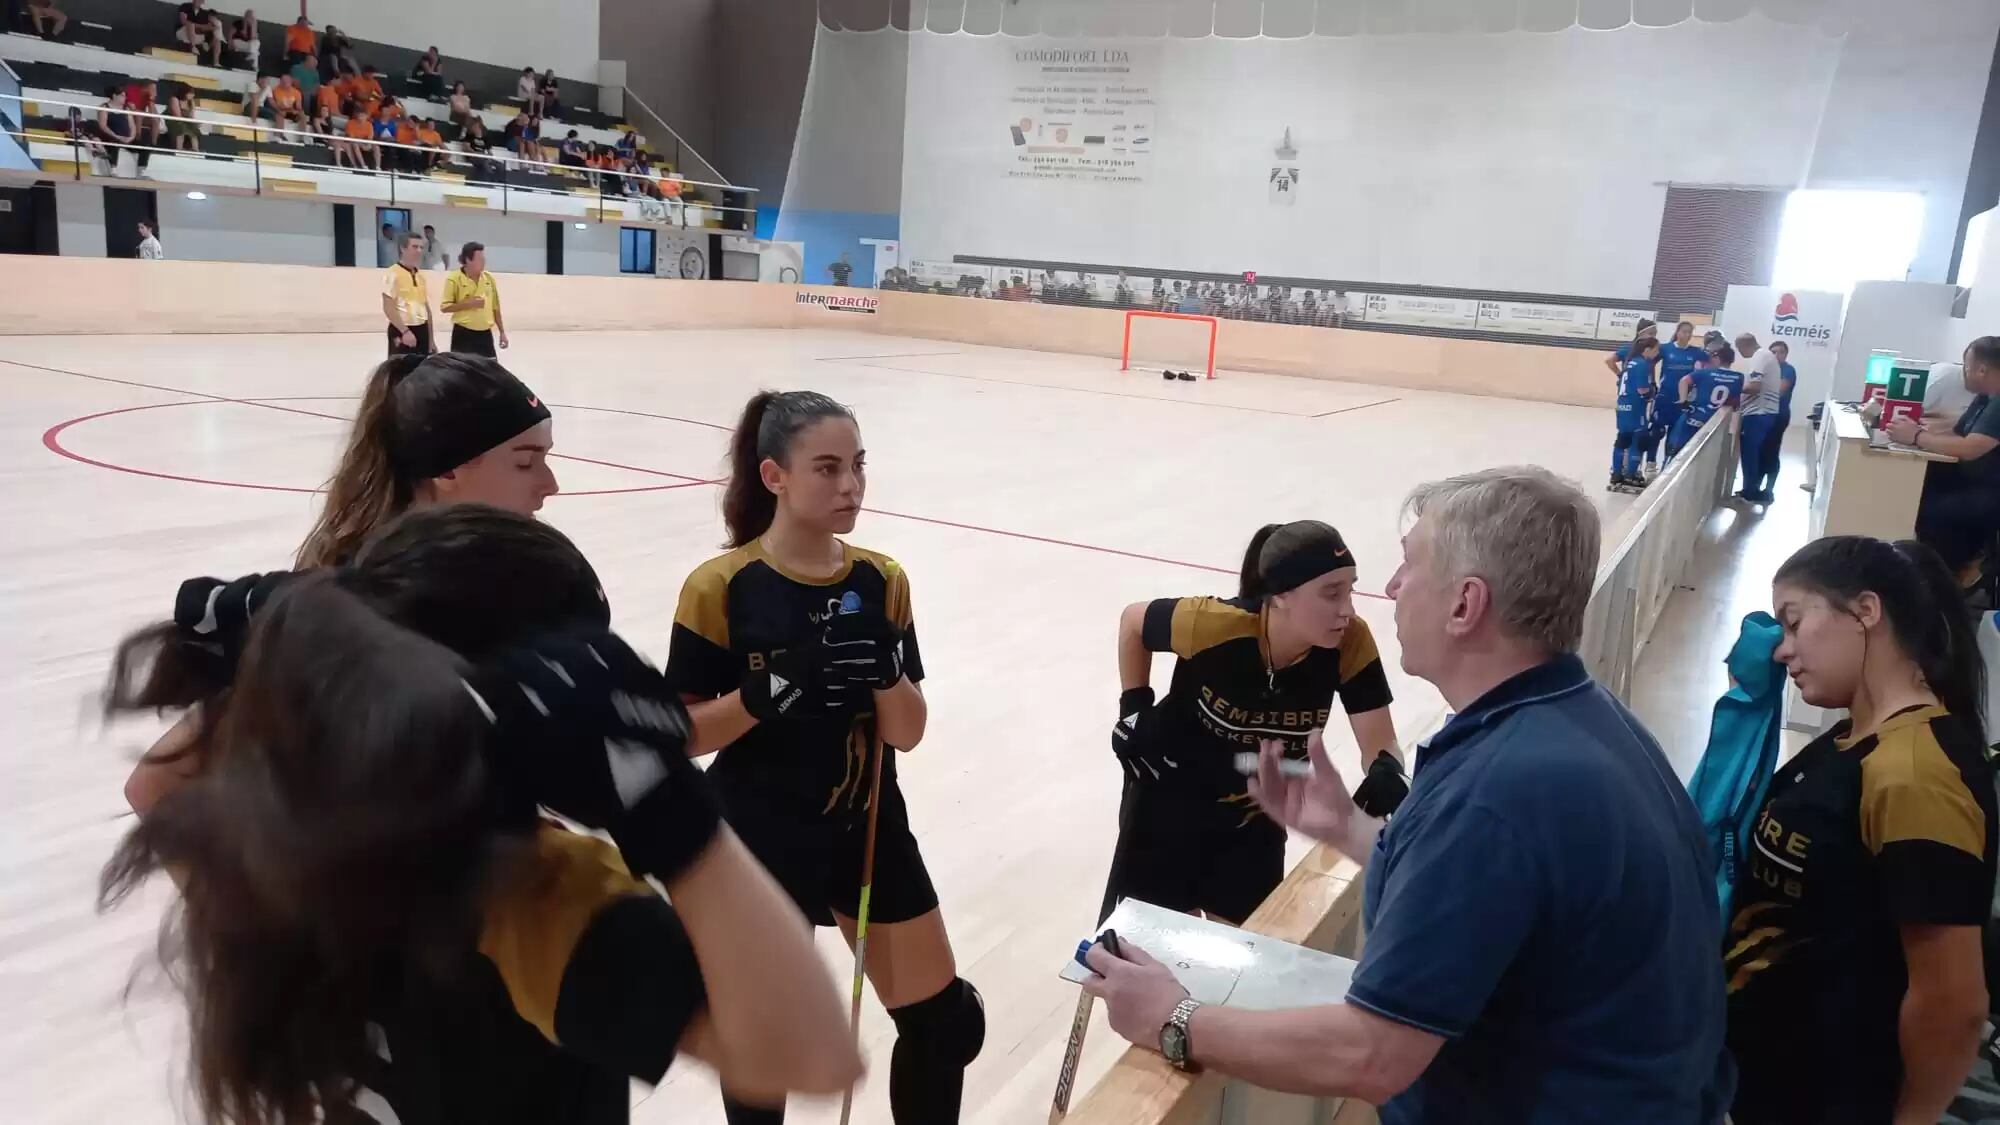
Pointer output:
1541, 911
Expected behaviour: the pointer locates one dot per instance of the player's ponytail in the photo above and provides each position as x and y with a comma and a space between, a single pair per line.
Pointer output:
1251, 583
1921, 600
771, 420
364, 491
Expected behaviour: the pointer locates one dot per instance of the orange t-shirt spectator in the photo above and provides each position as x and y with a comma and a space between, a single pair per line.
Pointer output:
406, 133
300, 39
357, 127
286, 98
330, 98
365, 86
427, 134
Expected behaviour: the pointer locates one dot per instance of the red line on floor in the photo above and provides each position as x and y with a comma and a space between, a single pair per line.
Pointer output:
52, 440
1363, 406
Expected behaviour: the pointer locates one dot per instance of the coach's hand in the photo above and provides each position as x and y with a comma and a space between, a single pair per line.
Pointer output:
1318, 805
1139, 993
1135, 738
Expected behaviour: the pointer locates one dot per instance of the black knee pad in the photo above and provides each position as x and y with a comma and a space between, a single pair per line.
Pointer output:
949, 1028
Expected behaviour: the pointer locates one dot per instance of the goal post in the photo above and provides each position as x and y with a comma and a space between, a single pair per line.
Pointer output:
1176, 348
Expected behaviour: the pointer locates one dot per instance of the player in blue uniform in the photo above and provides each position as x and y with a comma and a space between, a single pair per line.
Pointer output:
1635, 387
1616, 361
1707, 390
1677, 361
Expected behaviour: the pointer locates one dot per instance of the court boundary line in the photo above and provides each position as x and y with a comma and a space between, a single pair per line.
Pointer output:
202, 397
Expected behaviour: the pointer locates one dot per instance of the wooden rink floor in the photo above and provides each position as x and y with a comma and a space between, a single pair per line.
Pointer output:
1029, 495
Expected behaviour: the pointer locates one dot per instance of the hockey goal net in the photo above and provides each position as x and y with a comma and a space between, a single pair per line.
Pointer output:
1168, 341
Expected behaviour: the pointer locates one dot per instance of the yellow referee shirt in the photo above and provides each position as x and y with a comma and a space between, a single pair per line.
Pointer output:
411, 294
458, 287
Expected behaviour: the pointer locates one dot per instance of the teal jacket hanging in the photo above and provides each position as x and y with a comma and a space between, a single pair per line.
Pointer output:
1728, 786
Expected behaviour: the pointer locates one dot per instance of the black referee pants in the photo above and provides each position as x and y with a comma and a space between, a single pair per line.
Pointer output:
473, 341
423, 345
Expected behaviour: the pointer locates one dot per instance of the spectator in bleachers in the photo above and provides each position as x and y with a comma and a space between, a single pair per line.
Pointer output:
384, 132
478, 148
406, 157
1959, 515
244, 44
142, 98
200, 30
528, 142
84, 133
332, 97
573, 151
305, 75
366, 88
1121, 293
458, 107
323, 128
150, 249
428, 75
528, 89
360, 130
182, 133
628, 145
257, 103
432, 156
48, 19
288, 103
550, 94
119, 132
336, 55
300, 40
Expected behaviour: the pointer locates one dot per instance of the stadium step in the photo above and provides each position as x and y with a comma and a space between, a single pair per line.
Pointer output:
172, 55
453, 199
290, 187
198, 81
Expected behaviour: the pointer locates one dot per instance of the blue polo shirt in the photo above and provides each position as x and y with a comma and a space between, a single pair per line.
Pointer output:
1545, 901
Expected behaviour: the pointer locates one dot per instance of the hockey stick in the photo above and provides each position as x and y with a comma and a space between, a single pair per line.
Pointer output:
1066, 1080
861, 915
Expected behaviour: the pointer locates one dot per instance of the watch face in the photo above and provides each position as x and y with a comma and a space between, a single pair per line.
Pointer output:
1173, 1043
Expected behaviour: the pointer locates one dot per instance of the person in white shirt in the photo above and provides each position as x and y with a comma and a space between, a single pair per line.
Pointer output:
1762, 397
149, 245
1945, 395
435, 257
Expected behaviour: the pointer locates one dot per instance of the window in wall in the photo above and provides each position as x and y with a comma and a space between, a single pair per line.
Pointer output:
1975, 248
1829, 240
635, 250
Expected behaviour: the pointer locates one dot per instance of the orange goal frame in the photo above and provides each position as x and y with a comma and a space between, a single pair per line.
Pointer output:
1125, 352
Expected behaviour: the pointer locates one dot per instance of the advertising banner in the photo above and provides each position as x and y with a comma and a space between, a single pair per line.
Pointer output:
1078, 110
1807, 321
1428, 312
1538, 320
1622, 324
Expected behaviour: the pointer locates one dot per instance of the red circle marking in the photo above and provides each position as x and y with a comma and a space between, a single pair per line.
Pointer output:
52, 440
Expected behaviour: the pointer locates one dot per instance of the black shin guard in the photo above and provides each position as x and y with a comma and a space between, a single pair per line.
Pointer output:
935, 1040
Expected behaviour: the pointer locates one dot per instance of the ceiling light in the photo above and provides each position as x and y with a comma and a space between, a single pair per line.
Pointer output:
197, 195
583, 226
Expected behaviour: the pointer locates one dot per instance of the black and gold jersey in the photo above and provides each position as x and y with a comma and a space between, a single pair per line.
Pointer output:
583, 980
1226, 697
1857, 837
739, 608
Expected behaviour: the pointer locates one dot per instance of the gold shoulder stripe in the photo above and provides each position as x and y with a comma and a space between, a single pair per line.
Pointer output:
1203, 623
895, 582
533, 923
1911, 790
1357, 650
704, 605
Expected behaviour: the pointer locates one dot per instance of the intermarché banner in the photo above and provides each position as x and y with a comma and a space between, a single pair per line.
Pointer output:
839, 302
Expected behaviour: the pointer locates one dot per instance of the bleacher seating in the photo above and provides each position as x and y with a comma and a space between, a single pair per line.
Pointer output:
116, 42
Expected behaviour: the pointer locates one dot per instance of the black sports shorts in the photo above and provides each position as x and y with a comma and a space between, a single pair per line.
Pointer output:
1188, 852
817, 859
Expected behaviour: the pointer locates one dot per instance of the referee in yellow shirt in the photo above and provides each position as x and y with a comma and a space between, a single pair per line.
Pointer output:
406, 299
473, 300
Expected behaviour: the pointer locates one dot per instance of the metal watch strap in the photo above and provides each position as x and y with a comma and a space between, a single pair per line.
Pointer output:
1184, 1011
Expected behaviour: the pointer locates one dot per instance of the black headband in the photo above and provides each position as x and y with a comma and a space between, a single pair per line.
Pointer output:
472, 429
1322, 554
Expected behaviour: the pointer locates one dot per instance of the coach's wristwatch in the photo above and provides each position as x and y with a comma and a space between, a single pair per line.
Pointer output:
1174, 1035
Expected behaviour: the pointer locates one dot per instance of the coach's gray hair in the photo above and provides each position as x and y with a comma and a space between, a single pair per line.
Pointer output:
1530, 535
404, 239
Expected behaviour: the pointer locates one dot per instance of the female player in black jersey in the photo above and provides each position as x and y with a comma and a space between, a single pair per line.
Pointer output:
1265, 664
430, 429
374, 924
796, 652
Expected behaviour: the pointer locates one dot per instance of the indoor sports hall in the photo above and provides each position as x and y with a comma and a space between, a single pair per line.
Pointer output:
1107, 286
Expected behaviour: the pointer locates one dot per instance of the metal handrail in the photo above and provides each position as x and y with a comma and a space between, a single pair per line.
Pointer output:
680, 142
259, 128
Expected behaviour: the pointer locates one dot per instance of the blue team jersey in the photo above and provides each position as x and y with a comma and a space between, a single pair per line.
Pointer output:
1675, 362
1714, 387
1790, 384
1635, 385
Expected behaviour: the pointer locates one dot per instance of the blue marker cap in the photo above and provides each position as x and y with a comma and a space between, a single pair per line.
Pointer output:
1082, 948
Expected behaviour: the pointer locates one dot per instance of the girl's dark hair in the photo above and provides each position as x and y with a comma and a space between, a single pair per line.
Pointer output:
1921, 599
771, 421
1642, 344
1639, 329
1724, 355
1277, 541
335, 848
1687, 324
405, 403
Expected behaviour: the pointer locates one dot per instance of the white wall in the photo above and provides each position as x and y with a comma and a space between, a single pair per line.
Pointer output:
514, 244
243, 229
1516, 161
516, 33
593, 250
80, 220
